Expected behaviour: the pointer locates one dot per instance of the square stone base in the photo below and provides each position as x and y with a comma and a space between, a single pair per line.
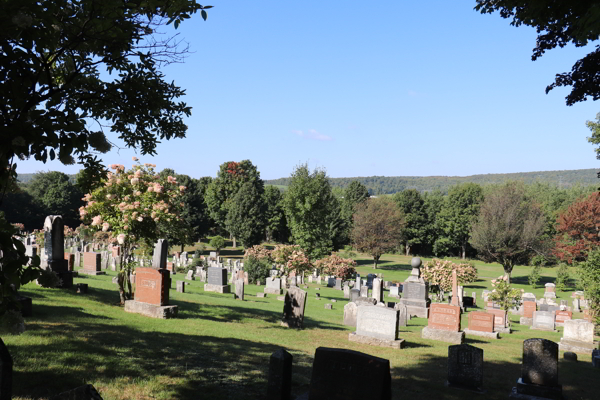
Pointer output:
543, 329
530, 391
273, 291
526, 321
88, 272
66, 279
442, 335
217, 288
419, 312
502, 330
394, 344
150, 310
577, 346
489, 335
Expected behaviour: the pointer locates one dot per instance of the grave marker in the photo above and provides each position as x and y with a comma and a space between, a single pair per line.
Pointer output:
444, 324
465, 367
293, 308
152, 294
377, 326
217, 280
280, 376
539, 371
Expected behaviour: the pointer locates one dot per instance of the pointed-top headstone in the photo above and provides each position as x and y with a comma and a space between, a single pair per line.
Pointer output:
161, 249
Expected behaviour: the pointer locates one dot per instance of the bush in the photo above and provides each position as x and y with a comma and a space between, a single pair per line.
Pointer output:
198, 252
257, 269
12, 323
562, 277
48, 279
535, 275
218, 242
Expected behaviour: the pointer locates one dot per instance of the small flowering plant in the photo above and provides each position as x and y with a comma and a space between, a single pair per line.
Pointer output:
298, 262
259, 252
439, 272
282, 253
132, 205
504, 294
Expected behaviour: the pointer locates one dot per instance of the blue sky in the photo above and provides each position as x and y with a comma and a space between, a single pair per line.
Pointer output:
389, 88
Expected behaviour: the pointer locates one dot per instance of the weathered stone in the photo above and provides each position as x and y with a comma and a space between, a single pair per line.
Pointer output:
394, 292
543, 320
273, 286
369, 301
293, 308
350, 312
465, 367
443, 335
539, 371
377, 290
280, 376
161, 250
92, 264
402, 314
340, 374
481, 321
239, 289
328, 306
181, 286
262, 295
376, 322
364, 291
570, 356
190, 275
217, 280
415, 298
578, 336
151, 310
346, 291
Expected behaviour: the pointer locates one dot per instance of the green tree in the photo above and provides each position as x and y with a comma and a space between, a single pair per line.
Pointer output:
458, 213
508, 228
589, 274
433, 205
53, 84
558, 23
415, 217
221, 191
595, 138
245, 218
54, 194
310, 208
377, 227
354, 194
218, 242
276, 224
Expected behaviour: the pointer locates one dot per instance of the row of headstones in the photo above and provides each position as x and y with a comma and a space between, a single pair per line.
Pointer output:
331, 378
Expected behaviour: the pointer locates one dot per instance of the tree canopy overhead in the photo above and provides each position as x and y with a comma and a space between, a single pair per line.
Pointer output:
70, 68
559, 23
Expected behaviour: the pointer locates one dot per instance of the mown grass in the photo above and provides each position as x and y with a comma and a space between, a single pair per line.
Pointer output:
219, 348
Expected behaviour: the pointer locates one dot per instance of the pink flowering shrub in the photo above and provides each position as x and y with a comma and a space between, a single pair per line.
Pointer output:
298, 262
134, 205
337, 266
439, 272
283, 252
259, 252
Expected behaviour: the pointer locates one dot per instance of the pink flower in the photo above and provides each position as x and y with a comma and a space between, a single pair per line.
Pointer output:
181, 188
140, 219
121, 238
138, 193
126, 198
150, 188
97, 220
114, 166
105, 227
134, 214
134, 158
135, 181
82, 211
126, 227
138, 173
110, 196
170, 179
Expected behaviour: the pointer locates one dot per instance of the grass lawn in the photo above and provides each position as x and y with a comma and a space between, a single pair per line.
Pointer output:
219, 348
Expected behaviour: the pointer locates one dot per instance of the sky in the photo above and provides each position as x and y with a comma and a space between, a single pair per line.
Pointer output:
391, 88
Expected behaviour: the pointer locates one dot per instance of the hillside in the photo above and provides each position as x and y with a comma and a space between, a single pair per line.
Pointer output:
393, 184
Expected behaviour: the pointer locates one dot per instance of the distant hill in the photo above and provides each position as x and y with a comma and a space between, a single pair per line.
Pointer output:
25, 178
393, 184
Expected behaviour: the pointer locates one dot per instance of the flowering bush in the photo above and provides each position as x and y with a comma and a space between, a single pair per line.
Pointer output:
439, 272
134, 205
504, 294
298, 262
19, 227
337, 266
282, 253
259, 252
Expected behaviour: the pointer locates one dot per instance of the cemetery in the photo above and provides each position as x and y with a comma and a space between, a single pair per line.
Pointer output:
185, 339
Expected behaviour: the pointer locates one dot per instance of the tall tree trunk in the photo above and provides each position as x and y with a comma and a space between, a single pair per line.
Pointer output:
234, 242
464, 251
407, 249
182, 247
375, 260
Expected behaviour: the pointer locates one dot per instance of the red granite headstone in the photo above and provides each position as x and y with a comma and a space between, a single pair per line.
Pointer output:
152, 286
499, 317
562, 316
70, 261
445, 317
528, 308
170, 266
481, 321
116, 252
91, 261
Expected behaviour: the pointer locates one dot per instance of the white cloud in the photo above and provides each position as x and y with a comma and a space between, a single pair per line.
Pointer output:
313, 134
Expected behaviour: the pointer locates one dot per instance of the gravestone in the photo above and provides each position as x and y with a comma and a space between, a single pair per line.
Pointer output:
346, 291
152, 294
500, 320
539, 371
280, 376
293, 281
331, 282
54, 248
455, 299
190, 275
444, 324
529, 307
181, 286
91, 264
328, 306
239, 289
370, 278
273, 286
70, 261
340, 374
377, 290
402, 314
161, 250
415, 292
562, 316
217, 280
482, 324
357, 284
377, 326
578, 336
293, 308
338, 284
6, 372
394, 292
350, 311
354, 294
364, 291
543, 320
550, 292
465, 367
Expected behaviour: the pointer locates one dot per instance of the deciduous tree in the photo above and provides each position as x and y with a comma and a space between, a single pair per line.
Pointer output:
578, 229
508, 227
245, 217
415, 217
377, 227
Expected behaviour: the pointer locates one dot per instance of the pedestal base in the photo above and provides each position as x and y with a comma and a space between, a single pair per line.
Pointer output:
442, 335
489, 335
577, 346
394, 344
502, 330
66, 279
529, 391
217, 288
151, 310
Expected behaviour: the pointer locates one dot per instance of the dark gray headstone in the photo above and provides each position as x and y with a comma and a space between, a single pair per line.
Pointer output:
340, 374
161, 250
280, 376
293, 308
540, 362
217, 276
465, 366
